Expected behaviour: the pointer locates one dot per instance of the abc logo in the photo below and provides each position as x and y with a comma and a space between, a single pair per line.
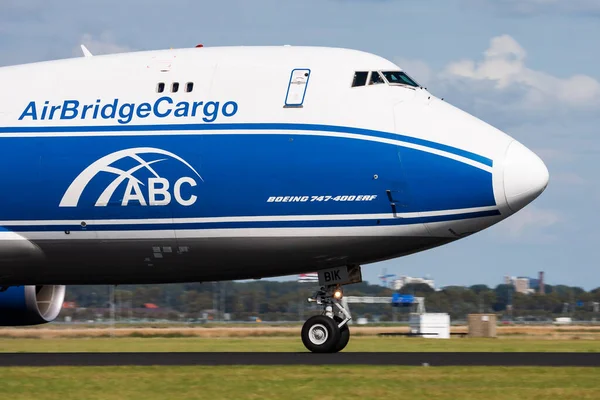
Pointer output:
157, 191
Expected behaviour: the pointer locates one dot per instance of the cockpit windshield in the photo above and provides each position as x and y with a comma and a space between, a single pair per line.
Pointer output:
400, 78
376, 78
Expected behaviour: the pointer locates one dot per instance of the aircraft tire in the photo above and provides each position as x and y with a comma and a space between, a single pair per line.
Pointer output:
344, 335
320, 334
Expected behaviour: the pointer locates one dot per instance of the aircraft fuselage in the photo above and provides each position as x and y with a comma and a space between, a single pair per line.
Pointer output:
230, 163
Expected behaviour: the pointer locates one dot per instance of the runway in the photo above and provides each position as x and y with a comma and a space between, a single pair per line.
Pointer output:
266, 359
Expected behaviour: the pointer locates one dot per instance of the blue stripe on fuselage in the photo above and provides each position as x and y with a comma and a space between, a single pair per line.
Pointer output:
253, 224
240, 173
252, 127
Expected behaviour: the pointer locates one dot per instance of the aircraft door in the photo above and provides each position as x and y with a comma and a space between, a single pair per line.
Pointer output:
397, 190
400, 195
297, 86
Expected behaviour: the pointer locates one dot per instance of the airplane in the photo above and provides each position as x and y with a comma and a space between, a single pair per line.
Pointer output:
226, 163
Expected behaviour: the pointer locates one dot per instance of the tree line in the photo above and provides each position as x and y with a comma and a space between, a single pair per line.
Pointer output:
286, 301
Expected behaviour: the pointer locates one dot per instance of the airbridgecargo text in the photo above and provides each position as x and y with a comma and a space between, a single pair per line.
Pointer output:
306, 199
125, 112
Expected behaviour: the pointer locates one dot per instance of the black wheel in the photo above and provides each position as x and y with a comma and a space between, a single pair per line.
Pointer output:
320, 334
344, 335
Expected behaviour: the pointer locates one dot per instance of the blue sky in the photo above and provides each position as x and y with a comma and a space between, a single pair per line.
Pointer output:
529, 67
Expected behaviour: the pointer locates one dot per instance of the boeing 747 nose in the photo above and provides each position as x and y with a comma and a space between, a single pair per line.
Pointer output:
152, 182
525, 176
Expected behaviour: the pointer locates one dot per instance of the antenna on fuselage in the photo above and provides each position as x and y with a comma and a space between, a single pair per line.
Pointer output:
86, 52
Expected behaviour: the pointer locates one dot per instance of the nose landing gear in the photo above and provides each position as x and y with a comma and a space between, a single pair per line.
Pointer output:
320, 334
327, 333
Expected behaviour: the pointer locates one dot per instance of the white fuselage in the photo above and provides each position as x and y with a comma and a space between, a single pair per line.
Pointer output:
242, 162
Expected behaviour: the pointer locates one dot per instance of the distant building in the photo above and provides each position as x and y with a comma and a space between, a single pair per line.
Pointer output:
399, 283
521, 284
311, 277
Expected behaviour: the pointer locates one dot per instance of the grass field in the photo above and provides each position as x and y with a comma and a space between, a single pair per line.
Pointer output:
55, 331
317, 382
293, 382
270, 344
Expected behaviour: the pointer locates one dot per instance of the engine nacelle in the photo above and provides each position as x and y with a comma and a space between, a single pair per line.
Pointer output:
30, 305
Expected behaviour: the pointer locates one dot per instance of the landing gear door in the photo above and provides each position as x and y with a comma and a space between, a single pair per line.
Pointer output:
297, 86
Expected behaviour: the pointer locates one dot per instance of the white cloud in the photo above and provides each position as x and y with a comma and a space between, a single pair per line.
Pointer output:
503, 68
501, 88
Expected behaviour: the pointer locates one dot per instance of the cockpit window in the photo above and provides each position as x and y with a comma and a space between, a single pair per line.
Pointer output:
360, 78
400, 78
376, 79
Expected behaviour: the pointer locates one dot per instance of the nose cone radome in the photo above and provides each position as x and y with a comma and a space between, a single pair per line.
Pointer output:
525, 176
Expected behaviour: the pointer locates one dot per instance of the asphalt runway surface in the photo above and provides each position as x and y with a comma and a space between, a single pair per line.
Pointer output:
265, 359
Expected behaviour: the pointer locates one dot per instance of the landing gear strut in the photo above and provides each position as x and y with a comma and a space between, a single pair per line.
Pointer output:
328, 332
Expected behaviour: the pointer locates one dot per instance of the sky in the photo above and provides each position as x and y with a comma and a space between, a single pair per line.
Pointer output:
529, 67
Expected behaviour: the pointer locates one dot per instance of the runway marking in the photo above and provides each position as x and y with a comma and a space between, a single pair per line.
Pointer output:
265, 359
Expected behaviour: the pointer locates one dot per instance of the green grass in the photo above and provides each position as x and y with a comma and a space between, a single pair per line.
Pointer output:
315, 382
279, 344
302, 382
